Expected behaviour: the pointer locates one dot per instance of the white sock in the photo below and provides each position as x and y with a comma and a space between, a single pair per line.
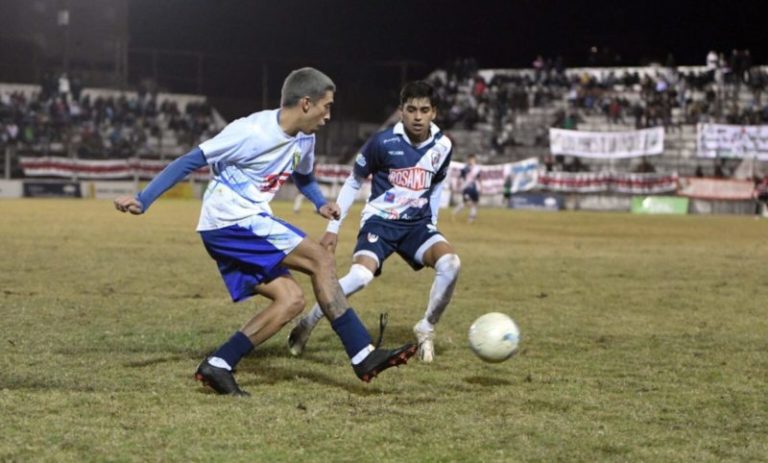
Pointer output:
357, 278
219, 362
425, 326
446, 273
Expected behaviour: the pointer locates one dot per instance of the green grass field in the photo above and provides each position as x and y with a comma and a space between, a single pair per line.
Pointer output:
645, 338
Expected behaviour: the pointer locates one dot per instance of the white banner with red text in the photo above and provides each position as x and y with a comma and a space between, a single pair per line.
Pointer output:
102, 169
607, 145
732, 141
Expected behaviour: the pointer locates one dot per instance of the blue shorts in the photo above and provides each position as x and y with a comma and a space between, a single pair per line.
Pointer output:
250, 253
470, 193
379, 239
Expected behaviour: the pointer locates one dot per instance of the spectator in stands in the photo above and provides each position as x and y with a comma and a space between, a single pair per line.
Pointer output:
615, 111
645, 166
576, 165
719, 168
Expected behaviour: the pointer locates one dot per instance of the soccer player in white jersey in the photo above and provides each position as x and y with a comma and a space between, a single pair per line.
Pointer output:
470, 192
408, 164
254, 251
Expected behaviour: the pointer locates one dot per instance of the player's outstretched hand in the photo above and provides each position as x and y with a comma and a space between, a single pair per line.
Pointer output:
330, 211
329, 241
128, 204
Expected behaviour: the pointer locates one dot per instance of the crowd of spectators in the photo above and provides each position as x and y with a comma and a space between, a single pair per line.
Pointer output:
60, 116
710, 94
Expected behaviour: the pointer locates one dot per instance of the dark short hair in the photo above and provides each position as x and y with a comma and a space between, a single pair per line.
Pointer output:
305, 82
418, 89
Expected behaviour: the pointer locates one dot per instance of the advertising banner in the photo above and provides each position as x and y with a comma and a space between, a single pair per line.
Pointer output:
607, 145
52, 190
536, 201
732, 141
659, 205
11, 189
107, 190
715, 188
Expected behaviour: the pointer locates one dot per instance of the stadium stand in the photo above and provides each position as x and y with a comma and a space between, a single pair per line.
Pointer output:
102, 123
505, 114
502, 115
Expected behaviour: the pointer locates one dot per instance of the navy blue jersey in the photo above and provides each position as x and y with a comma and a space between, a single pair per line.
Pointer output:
403, 176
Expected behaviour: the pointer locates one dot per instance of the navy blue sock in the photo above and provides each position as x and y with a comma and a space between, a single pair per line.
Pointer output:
236, 348
352, 332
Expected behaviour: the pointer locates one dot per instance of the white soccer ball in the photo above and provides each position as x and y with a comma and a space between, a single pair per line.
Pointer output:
494, 337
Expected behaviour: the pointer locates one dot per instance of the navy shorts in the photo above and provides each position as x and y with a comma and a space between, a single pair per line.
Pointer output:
251, 252
470, 193
379, 239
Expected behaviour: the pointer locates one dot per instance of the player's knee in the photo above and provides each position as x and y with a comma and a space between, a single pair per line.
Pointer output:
294, 304
449, 264
358, 278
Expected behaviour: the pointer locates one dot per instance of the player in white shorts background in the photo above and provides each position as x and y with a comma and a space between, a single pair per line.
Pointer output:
408, 165
249, 160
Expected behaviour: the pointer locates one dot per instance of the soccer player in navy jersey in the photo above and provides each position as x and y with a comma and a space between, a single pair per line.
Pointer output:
249, 160
408, 165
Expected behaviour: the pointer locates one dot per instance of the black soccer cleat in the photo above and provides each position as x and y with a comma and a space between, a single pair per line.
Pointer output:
381, 359
220, 380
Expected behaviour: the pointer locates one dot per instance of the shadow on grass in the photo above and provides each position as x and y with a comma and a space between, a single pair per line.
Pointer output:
487, 381
271, 375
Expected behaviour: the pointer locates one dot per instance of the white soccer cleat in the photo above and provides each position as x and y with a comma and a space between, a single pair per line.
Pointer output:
298, 338
425, 339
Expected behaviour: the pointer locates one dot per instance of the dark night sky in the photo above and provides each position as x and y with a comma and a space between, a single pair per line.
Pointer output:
349, 35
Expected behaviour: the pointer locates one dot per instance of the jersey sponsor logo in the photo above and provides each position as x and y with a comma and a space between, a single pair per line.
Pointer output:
396, 153
360, 160
413, 178
272, 182
391, 140
372, 238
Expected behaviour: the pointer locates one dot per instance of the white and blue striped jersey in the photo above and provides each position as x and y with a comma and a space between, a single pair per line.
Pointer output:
249, 160
405, 178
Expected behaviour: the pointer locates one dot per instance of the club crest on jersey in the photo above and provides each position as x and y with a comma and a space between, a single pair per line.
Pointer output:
389, 197
296, 158
435, 160
413, 178
372, 238
360, 160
